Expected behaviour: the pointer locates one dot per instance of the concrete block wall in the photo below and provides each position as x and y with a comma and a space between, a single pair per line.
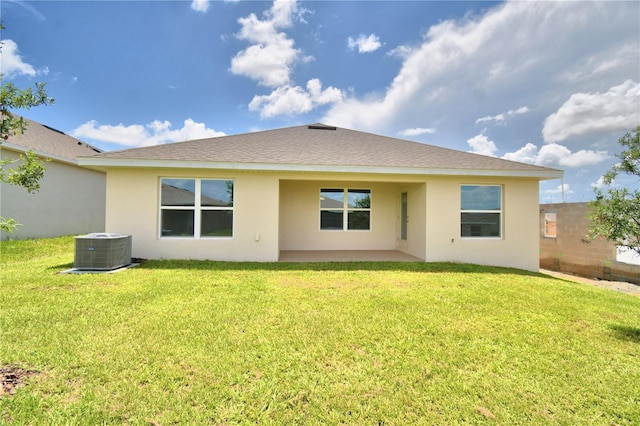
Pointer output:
572, 252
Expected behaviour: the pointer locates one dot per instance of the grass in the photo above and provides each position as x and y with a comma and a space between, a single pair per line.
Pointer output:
174, 342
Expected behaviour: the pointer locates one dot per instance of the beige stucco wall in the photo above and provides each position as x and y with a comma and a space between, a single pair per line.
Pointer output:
133, 209
300, 217
71, 201
417, 235
519, 245
281, 212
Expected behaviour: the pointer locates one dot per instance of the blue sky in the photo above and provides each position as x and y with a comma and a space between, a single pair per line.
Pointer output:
550, 83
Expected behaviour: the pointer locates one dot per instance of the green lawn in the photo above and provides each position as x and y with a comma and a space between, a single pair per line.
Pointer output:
186, 342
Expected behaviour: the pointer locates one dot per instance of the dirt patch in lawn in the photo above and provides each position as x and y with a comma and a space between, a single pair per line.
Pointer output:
623, 287
12, 377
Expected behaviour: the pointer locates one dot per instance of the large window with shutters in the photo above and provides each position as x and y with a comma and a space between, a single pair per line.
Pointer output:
345, 209
481, 211
196, 208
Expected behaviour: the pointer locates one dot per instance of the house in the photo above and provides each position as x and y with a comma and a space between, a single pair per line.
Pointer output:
71, 199
254, 196
564, 246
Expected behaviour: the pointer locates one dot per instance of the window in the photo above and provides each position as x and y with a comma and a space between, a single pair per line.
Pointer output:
196, 208
481, 211
345, 209
550, 225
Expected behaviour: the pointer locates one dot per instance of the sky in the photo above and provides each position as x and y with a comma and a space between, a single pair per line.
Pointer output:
552, 83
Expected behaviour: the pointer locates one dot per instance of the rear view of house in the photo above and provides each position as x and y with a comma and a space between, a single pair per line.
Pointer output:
250, 197
71, 199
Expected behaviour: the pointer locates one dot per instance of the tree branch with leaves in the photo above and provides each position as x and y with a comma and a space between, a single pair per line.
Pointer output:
615, 213
29, 169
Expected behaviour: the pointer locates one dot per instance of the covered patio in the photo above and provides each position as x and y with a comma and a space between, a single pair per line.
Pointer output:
346, 256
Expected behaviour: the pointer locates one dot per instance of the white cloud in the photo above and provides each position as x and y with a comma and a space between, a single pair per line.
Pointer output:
291, 100
526, 154
157, 132
12, 63
283, 100
365, 44
120, 134
601, 63
584, 113
417, 131
491, 118
200, 5
521, 110
556, 155
322, 97
467, 64
270, 58
599, 184
401, 52
552, 154
564, 188
480, 144
582, 158
501, 118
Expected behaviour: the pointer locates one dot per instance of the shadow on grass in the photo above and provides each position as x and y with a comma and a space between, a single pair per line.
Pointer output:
437, 267
428, 267
63, 266
626, 332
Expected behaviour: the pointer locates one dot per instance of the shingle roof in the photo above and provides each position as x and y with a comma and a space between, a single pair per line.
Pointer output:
315, 145
49, 142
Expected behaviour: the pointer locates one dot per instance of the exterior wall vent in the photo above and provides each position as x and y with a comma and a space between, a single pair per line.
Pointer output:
102, 251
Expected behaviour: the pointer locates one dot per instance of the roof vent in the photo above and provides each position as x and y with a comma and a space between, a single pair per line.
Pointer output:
55, 130
321, 127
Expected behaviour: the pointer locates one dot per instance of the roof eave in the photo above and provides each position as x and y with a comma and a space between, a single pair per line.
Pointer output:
22, 149
105, 163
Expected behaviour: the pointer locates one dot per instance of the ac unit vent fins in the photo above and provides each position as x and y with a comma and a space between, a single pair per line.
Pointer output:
102, 251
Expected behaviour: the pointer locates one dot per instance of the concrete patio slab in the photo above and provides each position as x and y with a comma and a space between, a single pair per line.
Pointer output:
347, 256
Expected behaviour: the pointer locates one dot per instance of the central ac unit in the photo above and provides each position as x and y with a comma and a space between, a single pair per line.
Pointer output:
102, 251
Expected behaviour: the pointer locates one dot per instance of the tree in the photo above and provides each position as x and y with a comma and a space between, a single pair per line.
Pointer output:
30, 168
615, 214
12, 98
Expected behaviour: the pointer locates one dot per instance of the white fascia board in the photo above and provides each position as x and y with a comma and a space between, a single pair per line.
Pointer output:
104, 163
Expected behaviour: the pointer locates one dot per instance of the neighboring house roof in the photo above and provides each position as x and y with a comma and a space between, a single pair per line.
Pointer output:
174, 196
317, 147
328, 203
48, 142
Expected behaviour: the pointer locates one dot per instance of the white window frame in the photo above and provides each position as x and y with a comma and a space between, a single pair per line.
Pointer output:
345, 208
500, 213
197, 209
